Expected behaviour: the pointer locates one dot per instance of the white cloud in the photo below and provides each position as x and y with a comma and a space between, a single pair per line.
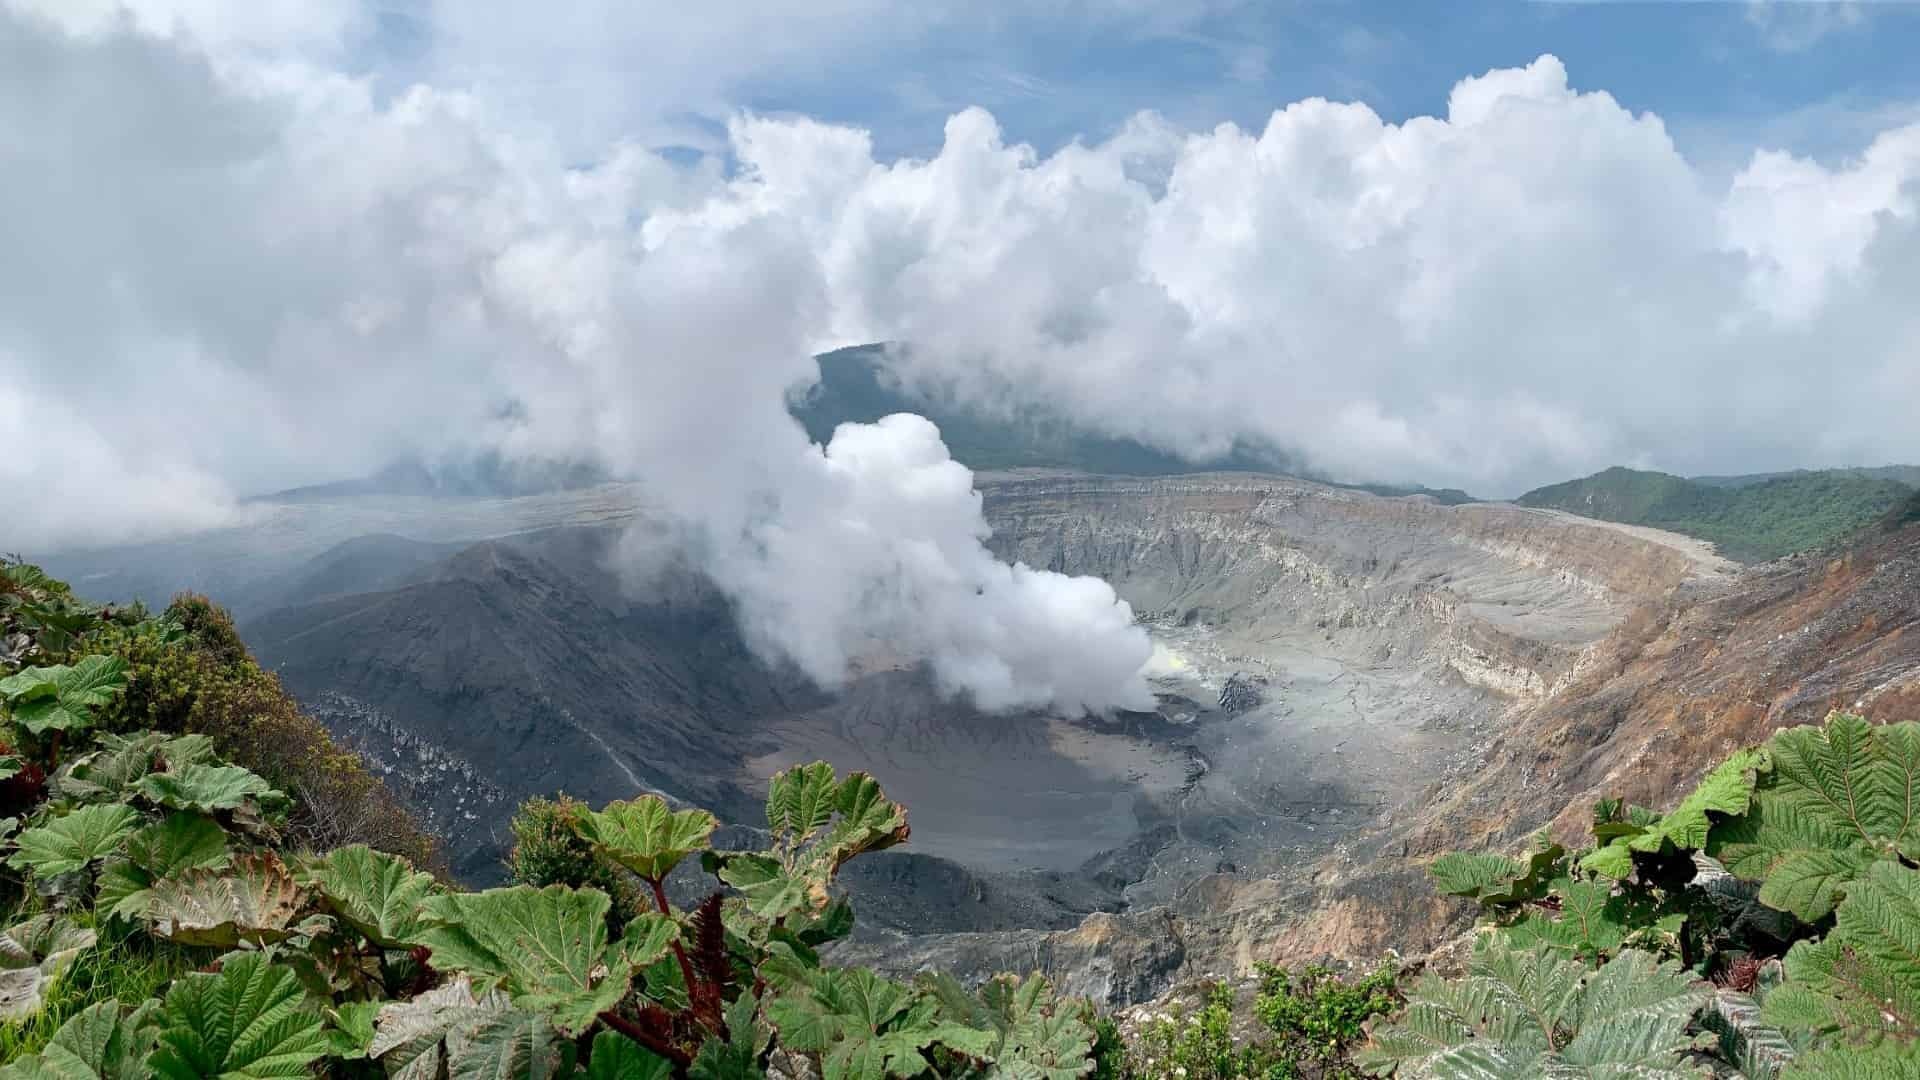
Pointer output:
1536, 285
266, 27
221, 282
877, 548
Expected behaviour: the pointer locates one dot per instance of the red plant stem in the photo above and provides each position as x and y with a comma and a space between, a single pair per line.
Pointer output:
680, 1058
680, 954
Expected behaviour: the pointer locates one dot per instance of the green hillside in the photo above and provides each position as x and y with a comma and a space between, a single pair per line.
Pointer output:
1751, 522
1905, 474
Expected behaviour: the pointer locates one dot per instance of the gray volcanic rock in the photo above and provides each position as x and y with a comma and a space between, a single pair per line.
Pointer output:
1240, 693
1117, 959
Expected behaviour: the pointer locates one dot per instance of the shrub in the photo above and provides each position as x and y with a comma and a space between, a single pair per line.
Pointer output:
548, 850
1317, 1017
1309, 1021
1202, 1045
190, 673
1109, 1050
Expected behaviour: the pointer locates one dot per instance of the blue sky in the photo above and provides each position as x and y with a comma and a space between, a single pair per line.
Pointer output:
1815, 78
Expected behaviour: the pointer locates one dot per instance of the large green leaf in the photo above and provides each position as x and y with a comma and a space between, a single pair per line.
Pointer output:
30, 684
183, 841
73, 842
1879, 1063
1523, 1014
866, 1027
1862, 980
124, 891
1726, 791
254, 900
378, 894
1760, 1049
207, 788
101, 1042
1838, 798
62, 698
514, 1044
249, 1020
801, 801
1634, 1014
33, 955
795, 876
121, 760
867, 821
770, 889
616, 1057
646, 836
410, 1036
547, 948
1496, 879
1017, 1025
1594, 920
351, 1028
177, 843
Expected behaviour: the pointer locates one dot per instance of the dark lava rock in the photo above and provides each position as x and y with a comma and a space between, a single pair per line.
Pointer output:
1241, 693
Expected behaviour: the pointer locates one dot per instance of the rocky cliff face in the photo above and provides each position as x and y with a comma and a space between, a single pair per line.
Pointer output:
1496, 591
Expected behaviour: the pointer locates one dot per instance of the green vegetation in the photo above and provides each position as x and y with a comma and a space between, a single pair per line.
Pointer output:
1310, 1022
1750, 522
549, 849
1201, 1046
187, 672
1532, 1012
1318, 1017
1905, 474
1768, 926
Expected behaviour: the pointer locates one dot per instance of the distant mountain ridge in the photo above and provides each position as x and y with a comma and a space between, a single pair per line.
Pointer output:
1903, 474
855, 386
1750, 519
